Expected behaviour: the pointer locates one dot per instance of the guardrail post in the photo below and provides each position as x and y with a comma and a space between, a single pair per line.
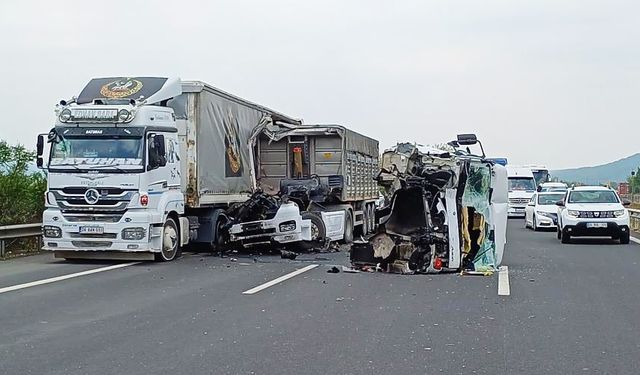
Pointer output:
1, 248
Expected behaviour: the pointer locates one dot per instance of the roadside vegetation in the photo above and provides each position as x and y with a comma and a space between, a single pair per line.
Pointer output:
21, 192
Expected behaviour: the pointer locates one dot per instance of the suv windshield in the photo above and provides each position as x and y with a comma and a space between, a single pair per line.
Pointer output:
112, 151
522, 183
549, 199
593, 196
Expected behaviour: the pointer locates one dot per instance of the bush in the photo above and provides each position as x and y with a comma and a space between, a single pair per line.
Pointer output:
21, 190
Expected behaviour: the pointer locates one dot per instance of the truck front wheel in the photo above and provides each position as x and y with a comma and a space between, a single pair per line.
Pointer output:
170, 247
318, 231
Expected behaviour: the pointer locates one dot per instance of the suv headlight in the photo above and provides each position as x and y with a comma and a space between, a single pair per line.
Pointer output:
573, 213
288, 226
545, 214
51, 231
618, 213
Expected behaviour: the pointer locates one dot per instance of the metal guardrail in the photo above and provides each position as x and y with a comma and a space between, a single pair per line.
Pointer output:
634, 216
9, 232
633, 198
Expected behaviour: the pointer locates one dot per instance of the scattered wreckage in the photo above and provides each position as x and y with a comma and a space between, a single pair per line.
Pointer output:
446, 211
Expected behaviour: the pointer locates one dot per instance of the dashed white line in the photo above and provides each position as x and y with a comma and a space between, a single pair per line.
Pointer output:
635, 240
280, 279
503, 281
64, 277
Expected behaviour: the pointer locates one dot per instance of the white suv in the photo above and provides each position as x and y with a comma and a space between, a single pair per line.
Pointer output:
593, 211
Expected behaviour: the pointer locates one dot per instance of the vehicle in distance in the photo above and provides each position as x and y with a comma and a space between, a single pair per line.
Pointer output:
522, 186
542, 211
593, 211
553, 186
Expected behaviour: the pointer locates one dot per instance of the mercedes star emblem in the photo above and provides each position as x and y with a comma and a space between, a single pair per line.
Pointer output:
92, 196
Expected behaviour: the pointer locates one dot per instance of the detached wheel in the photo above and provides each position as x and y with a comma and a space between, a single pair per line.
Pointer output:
624, 238
348, 227
170, 247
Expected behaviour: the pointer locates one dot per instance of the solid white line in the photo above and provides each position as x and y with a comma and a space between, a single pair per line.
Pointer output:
635, 240
64, 277
280, 279
503, 281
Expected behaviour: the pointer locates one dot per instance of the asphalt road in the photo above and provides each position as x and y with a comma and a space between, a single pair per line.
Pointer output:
573, 309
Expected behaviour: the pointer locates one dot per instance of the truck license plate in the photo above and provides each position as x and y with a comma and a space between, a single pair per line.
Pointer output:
91, 230
596, 225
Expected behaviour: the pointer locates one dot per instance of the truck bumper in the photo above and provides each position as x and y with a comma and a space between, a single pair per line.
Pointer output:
110, 239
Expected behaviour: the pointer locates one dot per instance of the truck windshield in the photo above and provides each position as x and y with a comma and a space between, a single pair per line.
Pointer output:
97, 151
522, 183
593, 196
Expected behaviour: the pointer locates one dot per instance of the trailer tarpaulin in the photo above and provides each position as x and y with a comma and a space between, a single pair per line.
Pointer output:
223, 151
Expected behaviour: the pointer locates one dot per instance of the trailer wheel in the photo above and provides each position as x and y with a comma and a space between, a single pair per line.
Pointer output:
372, 217
348, 227
170, 246
365, 221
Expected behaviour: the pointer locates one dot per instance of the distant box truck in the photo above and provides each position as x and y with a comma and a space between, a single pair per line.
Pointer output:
324, 176
139, 167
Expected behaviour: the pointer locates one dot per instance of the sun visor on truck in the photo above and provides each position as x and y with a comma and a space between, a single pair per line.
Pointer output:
153, 89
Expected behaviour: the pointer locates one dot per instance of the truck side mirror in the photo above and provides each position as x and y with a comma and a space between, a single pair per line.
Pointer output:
40, 151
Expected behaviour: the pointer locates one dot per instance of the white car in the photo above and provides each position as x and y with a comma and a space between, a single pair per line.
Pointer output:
593, 211
553, 186
542, 211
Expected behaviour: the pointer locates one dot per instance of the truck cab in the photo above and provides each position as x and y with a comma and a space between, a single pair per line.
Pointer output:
522, 186
113, 172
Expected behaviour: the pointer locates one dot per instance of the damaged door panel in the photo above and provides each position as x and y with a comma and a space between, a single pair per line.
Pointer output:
439, 215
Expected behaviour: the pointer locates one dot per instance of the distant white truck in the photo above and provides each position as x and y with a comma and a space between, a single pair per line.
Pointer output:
522, 186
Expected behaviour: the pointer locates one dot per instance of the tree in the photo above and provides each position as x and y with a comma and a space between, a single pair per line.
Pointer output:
634, 182
21, 190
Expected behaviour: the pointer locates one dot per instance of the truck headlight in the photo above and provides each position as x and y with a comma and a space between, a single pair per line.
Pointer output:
135, 234
618, 213
51, 231
124, 115
65, 115
287, 226
573, 213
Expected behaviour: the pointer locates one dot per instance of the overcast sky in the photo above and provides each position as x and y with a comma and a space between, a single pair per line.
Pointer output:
548, 82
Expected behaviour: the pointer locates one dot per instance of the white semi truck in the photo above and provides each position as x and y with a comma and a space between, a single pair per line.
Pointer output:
139, 167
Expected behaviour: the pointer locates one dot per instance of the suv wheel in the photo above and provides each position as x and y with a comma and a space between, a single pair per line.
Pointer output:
624, 238
559, 232
565, 237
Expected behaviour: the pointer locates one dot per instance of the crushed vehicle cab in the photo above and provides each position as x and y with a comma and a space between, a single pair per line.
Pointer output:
447, 211
318, 181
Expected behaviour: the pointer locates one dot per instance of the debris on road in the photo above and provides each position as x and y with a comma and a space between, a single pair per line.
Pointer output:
333, 269
286, 254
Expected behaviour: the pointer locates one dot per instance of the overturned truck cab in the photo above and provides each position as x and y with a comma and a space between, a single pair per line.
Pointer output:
446, 211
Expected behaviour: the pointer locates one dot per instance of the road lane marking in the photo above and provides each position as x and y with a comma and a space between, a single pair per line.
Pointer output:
64, 277
635, 240
280, 279
503, 281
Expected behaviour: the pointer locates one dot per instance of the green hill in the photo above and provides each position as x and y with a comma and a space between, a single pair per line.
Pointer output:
616, 171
